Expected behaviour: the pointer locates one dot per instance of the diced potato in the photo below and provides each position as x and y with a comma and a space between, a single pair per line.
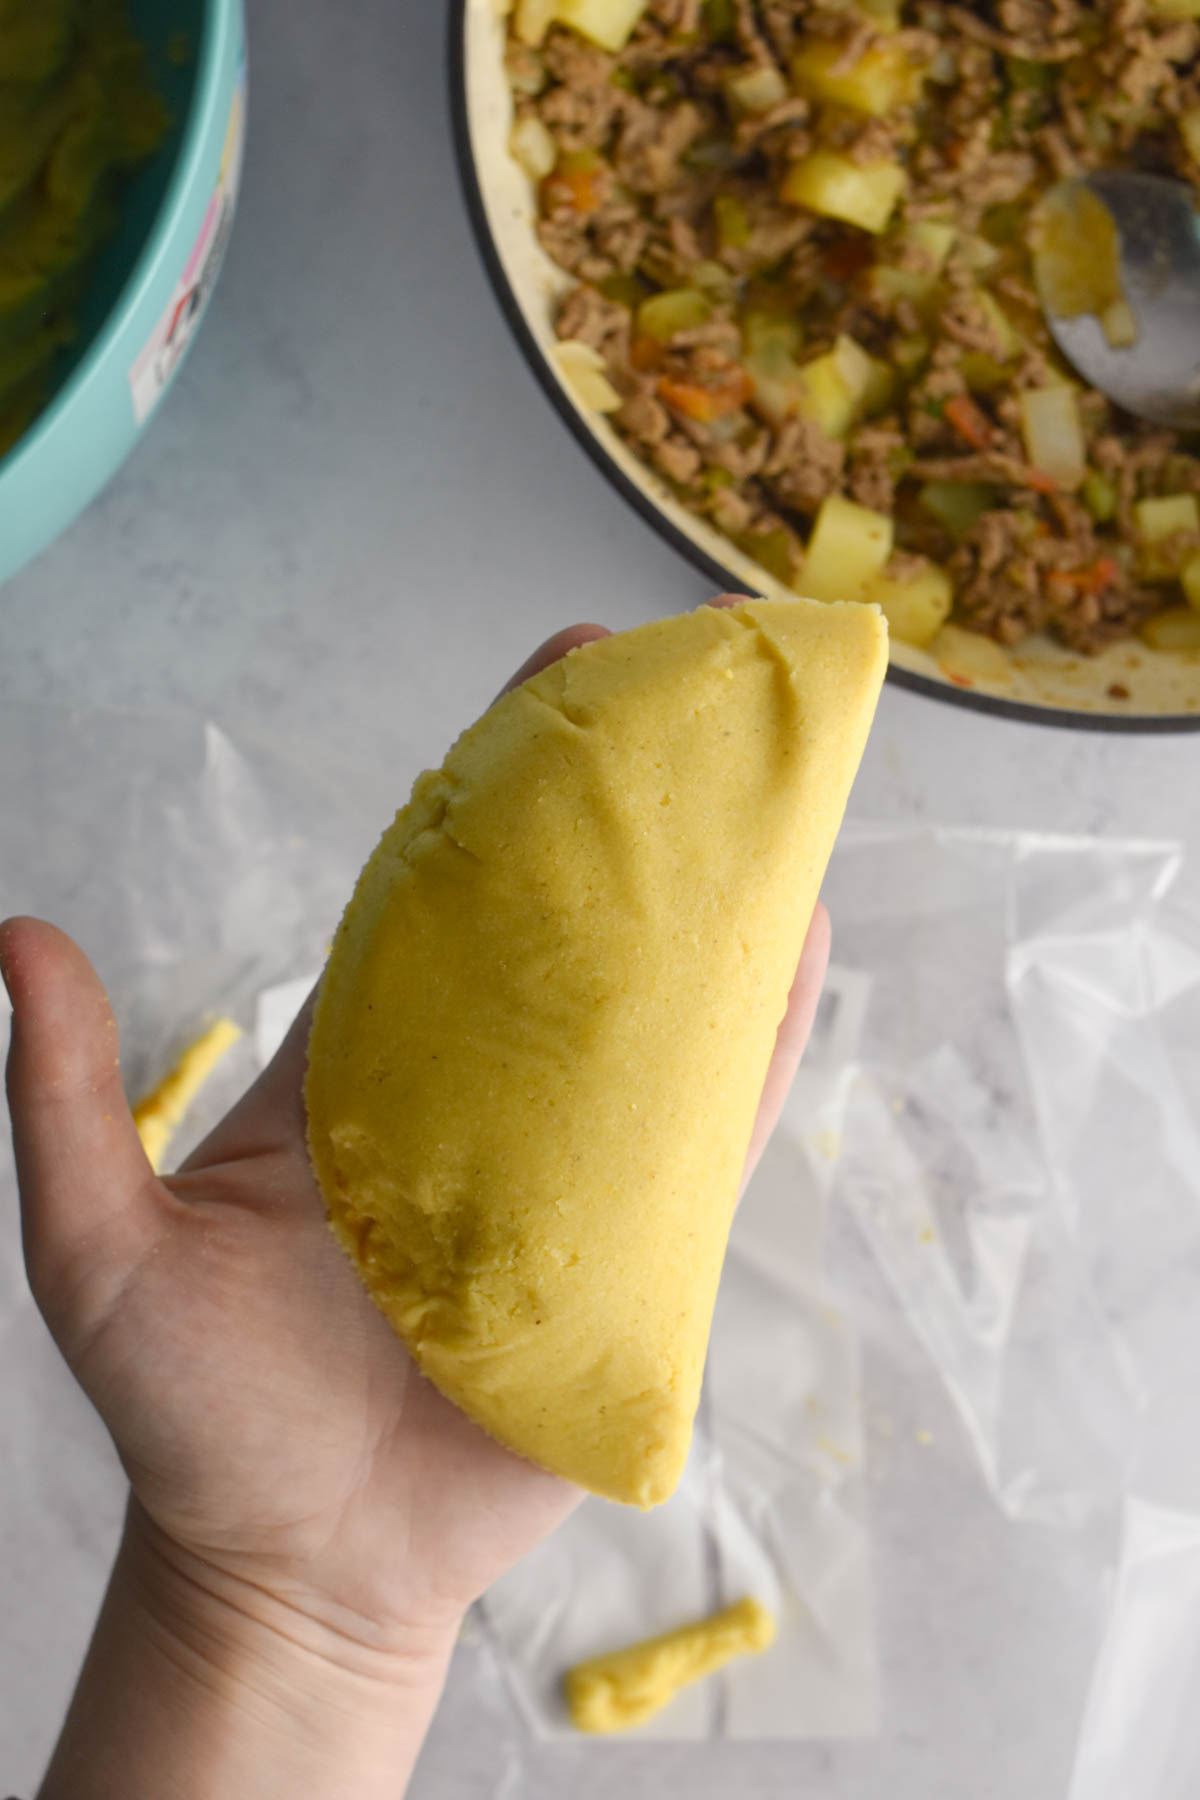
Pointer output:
1053, 434
1189, 576
999, 323
1163, 517
679, 309
831, 390
849, 546
1119, 324
934, 237
882, 78
1160, 519
915, 607
586, 374
970, 660
533, 147
839, 189
1189, 129
880, 390
608, 23
892, 282
889, 284
1077, 252
853, 364
1178, 629
757, 89
534, 19
832, 387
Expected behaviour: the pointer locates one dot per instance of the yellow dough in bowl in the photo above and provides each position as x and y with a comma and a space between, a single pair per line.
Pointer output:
542, 1034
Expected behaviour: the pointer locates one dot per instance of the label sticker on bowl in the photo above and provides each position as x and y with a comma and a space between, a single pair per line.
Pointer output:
152, 372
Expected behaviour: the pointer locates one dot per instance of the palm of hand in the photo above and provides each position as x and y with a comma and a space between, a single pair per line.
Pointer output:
268, 1418
271, 1424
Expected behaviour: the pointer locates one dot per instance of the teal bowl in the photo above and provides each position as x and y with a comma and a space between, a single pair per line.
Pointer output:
149, 289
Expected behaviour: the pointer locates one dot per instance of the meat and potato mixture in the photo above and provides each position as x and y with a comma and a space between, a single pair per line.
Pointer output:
800, 234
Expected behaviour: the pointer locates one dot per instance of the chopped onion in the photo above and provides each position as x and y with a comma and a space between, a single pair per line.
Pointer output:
1053, 433
723, 431
533, 147
757, 90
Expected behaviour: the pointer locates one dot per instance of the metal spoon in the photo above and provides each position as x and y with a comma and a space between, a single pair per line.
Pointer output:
1158, 229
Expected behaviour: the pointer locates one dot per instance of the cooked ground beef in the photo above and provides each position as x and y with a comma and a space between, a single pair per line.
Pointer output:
715, 280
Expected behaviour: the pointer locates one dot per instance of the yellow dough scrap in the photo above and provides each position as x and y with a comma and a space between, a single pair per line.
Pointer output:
627, 1687
159, 1115
542, 1035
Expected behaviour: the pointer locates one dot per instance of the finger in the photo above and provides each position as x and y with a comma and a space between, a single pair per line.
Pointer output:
89, 1198
555, 647
730, 600
793, 1034
271, 1114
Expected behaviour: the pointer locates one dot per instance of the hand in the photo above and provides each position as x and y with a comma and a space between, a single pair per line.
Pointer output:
298, 1489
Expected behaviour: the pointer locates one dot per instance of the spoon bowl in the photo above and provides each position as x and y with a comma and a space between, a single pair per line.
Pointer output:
1157, 375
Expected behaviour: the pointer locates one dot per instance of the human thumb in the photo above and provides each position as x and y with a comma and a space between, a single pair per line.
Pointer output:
90, 1204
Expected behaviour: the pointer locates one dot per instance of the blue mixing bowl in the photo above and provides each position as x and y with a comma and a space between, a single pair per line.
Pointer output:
150, 287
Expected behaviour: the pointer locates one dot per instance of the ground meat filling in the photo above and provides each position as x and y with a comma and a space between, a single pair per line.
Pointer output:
720, 285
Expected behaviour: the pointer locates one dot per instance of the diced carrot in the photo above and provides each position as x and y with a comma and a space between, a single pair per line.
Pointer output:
577, 188
1102, 574
712, 400
847, 257
645, 352
1090, 580
1040, 482
971, 424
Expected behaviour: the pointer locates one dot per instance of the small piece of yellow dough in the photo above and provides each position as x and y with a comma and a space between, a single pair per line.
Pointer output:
159, 1115
627, 1687
541, 1039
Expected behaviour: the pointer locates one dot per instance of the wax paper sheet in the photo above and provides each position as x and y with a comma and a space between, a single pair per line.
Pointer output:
951, 1422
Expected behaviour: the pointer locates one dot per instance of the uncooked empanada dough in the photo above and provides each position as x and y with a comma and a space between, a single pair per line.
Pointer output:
541, 1038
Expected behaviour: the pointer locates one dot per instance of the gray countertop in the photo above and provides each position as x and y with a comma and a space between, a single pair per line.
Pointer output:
356, 514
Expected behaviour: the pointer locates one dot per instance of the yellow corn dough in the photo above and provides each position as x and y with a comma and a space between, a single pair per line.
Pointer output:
159, 1115
627, 1687
541, 1038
